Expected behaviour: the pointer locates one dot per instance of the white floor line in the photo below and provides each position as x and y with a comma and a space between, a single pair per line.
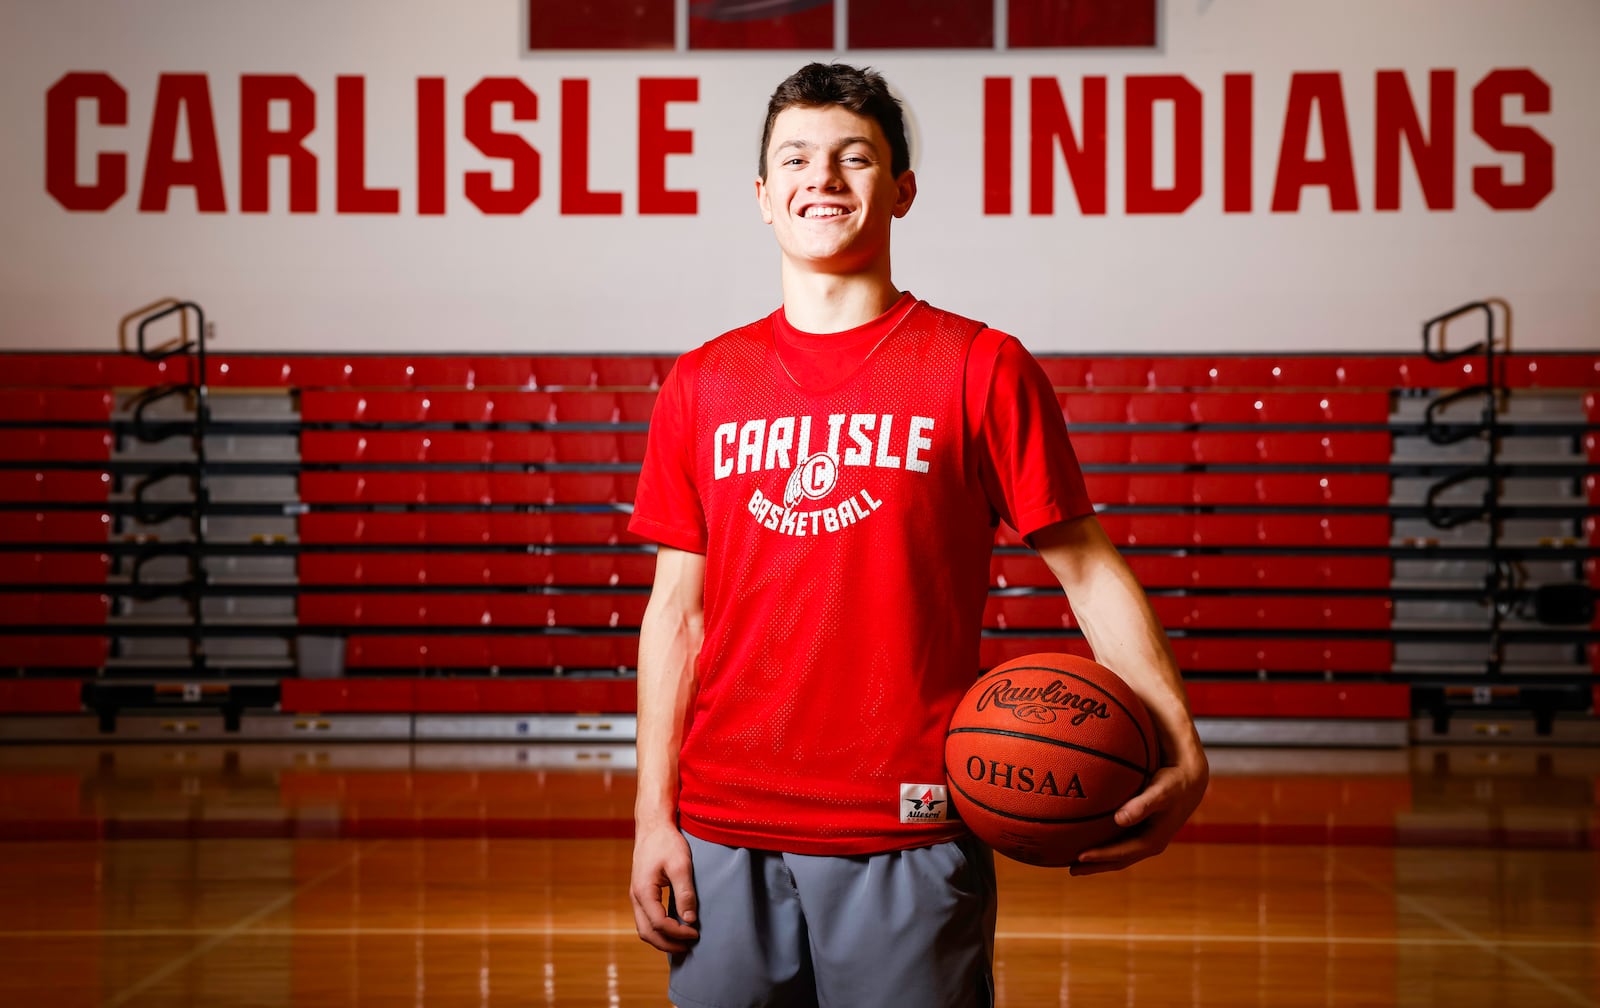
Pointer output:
245, 929
234, 930
1468, 937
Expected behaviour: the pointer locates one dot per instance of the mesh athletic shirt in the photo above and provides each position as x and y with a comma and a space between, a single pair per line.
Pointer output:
844, 490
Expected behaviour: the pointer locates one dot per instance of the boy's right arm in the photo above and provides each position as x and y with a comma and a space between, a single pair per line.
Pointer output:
669, 642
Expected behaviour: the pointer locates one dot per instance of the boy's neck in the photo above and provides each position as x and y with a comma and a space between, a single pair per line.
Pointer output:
830, 303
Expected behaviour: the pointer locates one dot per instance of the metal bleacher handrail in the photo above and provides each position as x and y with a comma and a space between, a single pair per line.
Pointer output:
193, 590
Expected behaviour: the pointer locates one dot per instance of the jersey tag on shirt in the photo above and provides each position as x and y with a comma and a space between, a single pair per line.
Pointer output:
924, 803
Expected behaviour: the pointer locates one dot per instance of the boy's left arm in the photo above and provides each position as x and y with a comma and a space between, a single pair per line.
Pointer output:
1111, 608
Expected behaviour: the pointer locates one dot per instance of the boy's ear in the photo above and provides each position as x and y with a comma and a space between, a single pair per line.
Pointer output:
763, 201
906, 185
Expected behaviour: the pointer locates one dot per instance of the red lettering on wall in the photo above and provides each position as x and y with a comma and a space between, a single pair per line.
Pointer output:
188, 96
1141, 194
350, 94
1538, 156
259, 142
524, 188
1434, 156
656, 142
576, 198
61, 141
1049, 127
430, 146
997, 145
1319, 93
1238, 142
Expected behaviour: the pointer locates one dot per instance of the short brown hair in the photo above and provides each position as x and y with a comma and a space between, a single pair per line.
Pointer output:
858, 89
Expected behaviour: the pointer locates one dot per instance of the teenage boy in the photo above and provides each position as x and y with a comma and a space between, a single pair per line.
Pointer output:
824, 485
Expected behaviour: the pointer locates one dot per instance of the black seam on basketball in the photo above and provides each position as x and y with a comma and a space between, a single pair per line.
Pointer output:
1151, 758
1108, 757
1017, 817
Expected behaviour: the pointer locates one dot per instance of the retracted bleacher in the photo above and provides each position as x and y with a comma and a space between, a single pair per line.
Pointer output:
436, 546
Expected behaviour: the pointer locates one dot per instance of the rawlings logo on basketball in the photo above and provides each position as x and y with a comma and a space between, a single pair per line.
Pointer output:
1042, 704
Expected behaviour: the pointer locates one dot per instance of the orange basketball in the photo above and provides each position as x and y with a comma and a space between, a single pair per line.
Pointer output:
1042, 751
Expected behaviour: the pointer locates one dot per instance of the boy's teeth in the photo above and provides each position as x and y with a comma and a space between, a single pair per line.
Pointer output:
823, 211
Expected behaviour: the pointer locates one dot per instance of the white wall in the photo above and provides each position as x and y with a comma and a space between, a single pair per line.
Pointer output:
544, 280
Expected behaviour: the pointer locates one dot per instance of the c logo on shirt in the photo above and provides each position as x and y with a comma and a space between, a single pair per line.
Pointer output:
814, 478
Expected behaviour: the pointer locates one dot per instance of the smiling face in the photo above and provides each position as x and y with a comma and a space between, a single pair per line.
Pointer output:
829, 193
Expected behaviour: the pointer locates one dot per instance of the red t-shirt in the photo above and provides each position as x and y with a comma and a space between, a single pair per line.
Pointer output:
844, 490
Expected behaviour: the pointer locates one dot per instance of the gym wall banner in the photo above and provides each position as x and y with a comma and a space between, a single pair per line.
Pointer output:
531, 175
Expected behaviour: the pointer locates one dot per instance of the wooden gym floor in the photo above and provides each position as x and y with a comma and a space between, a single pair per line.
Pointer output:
222, 875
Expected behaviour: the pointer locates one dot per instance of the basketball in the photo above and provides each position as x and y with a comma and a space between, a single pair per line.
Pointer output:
1042, 751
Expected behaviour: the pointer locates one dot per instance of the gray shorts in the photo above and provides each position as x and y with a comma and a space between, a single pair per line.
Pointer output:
911, 927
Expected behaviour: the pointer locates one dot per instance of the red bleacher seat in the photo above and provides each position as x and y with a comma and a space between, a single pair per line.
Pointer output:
562, 371
505, 372
1020, 570
252, 371
468, 488
411, 651
1221, 571
41, 696
55, 527
68, 404
337, 696
54, 651
1309, 448
1227, 447
52, 608
55, 445
1318, 530
1336, 407
465, 527
1149, 529
57, 486
584, 406
577, 569
1421, 372
1247, 407
1577, 371
1369, 372
1147, 489
1065, 372
995, 648
54, 568
1094, 407
1342, 488
1274, 612
1161, 408
516, 570
1018, 612
631, 370
1315, 372
635, 407
415, 651
1160, 448
1118, 372
1269, 655
1098, 448
1245, 372
471, 609
1181, 372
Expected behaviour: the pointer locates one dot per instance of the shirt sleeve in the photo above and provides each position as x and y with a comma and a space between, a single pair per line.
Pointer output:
1026, 462
666, 507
